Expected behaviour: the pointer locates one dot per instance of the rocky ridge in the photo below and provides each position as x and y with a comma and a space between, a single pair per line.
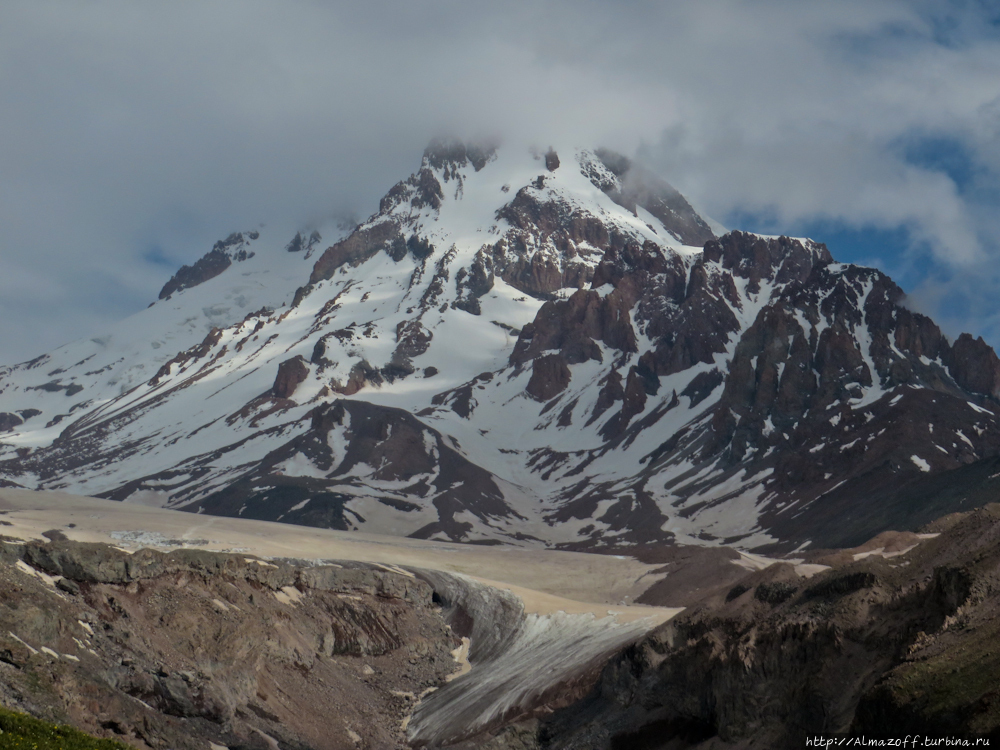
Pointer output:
891, 639
222, 255
177, 650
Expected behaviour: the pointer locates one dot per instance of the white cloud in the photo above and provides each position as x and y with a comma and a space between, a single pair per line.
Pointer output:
129, 125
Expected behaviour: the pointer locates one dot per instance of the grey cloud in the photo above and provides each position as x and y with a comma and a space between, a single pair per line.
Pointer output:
130, 126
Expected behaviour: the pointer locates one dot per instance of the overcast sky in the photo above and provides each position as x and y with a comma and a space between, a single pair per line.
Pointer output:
134, 134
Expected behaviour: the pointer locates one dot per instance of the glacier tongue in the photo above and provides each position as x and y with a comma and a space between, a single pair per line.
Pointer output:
519, 661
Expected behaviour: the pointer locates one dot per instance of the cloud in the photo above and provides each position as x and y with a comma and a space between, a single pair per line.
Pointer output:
137, 134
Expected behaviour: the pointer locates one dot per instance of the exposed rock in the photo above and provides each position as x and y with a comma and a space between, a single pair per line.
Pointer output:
300, 243
361, 245
748, 393
179, 650
447, 157
9, 421
210, 265
412, 339
975, 366
474, 283
611, 391
631, 186
688, 314
875, 647
362, 374
757, 258
395, 443
70, 389
574, 325
702, 385
419, 247
291, 372
546, 234
549, 377
195, 353
318, 356
551, 160
455, 154
296, 243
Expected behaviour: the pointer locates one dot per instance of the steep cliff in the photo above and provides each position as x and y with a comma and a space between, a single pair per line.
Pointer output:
892, 639
189, 648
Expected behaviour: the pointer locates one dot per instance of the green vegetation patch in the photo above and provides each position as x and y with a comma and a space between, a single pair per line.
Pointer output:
23, 732
958, 686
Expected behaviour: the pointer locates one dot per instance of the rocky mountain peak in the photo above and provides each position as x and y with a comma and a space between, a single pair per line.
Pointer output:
537, 346
633, 187
456, 154
233, 249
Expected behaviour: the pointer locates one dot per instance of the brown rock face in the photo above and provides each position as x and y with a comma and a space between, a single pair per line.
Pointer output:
536, 254
361, 374
357, 248
872, 647
195, 353
189, 648
572, 326
291, 372
9, 421
634, 397
786, 374
975, 366
611, 391
549, 377
801, 399
635, 187
209, 266
757, 258
392, 442
217, 260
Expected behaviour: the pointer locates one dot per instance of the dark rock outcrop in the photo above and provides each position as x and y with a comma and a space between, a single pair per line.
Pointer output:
573, 326
537, 254
395, 443
549, 377
875, 647
195, 353
362, 374
361, 245
300, 243
975, 366
9, 421
210, 265
632, 187
291, 372
451, 155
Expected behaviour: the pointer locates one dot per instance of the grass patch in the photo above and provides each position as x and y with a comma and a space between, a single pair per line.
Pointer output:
958, 684
23, 732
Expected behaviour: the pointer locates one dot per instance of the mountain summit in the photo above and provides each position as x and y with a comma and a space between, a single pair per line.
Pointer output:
546, 346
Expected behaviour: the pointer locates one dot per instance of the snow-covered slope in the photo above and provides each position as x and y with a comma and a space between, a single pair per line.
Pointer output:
533, 347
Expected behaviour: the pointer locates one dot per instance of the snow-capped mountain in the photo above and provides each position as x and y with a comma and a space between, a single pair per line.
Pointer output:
532, 347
